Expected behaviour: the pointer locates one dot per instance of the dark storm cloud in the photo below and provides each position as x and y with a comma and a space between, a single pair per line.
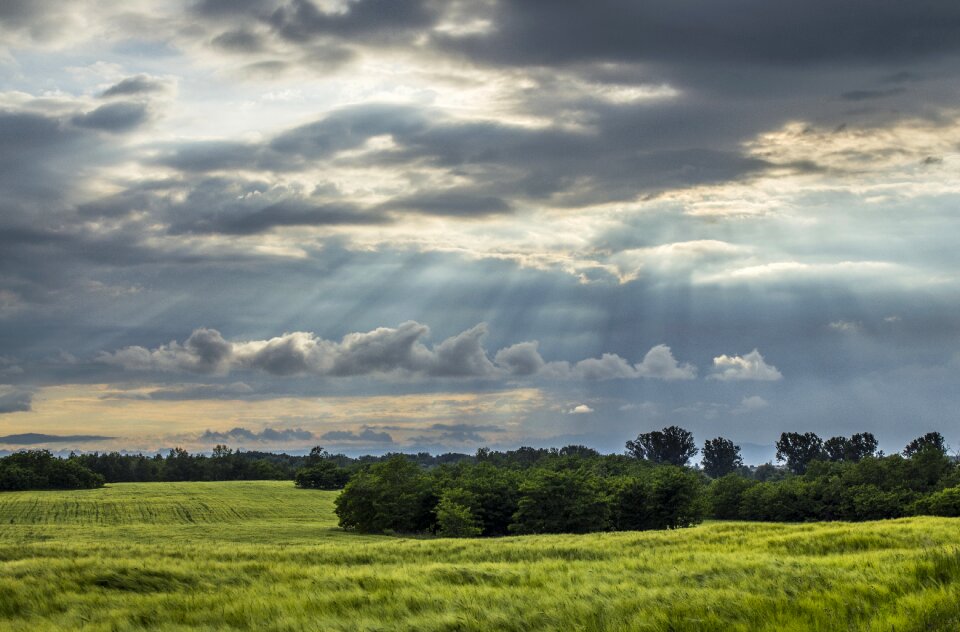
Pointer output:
627, 154
288, 213
14, 399
867, 95
265, 435
743, 32
33, 438
239, 41
365, 435
453, 202
114, 117
139, 84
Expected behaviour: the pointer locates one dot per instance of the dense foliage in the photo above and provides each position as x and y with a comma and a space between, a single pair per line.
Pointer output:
844, 479
39, 469
522, 492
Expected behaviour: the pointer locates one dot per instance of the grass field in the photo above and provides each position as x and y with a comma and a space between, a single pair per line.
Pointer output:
267, 556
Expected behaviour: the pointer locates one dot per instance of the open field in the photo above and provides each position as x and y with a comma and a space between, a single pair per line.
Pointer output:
267, 556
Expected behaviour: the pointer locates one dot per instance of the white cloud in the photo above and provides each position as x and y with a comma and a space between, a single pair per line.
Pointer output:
846, 326
748, 367
580, 409
750, 404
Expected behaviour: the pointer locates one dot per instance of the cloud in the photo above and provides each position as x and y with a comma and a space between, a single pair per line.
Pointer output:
658, 363
385, 351
139, 84
366, 435
522, 358
748, 367
580, 409
846, 326
33, 438
267, 435
113, 117
750, 404
15, 399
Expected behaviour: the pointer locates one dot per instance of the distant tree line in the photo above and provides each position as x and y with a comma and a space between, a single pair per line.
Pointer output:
573, 489
841, 478
40, 469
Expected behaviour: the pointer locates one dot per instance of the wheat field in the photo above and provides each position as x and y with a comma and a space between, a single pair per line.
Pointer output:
268, 556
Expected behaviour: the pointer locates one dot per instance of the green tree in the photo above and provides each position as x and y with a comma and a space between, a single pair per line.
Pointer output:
798, 450
720, 457
392, 495
455, 515
566, 501
932, 441
725, 495
672, 445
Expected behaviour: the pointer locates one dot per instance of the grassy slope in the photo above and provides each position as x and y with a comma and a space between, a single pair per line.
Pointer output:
266, 556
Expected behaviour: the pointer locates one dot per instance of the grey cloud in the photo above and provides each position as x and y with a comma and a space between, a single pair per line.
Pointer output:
658, 363
749, 31
139, 84
365, 435
463, 355
385, 350
239, 40
285, 213
451, 203
867, 95
205, 352
266, 435
15, 399
301, 20
114, 117
236, 390
33, 438
522, 358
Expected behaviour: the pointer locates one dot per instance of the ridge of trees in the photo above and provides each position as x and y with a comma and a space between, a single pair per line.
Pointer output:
572, 489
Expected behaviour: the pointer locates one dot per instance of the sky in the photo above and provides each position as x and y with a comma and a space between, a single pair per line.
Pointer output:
401, 225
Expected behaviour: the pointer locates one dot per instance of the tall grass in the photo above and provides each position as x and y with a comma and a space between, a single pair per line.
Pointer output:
267, 556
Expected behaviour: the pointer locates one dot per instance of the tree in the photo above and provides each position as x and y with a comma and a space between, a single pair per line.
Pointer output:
568, 501
456, 517
720, 457
725, 495
392, 495
323, 475
932, 441
861, 446
798, 450
853, 450
672, 445
836, 448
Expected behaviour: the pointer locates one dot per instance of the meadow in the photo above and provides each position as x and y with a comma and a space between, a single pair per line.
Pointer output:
268, 556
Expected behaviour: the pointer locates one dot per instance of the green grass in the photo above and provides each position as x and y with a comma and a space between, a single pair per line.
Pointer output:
267, 556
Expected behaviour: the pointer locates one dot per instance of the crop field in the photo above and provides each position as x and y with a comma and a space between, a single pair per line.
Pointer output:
268, 556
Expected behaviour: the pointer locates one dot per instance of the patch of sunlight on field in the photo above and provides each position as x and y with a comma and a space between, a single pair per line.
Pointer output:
267, 556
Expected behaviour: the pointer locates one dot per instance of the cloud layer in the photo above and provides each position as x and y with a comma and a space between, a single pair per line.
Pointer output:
385, 351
